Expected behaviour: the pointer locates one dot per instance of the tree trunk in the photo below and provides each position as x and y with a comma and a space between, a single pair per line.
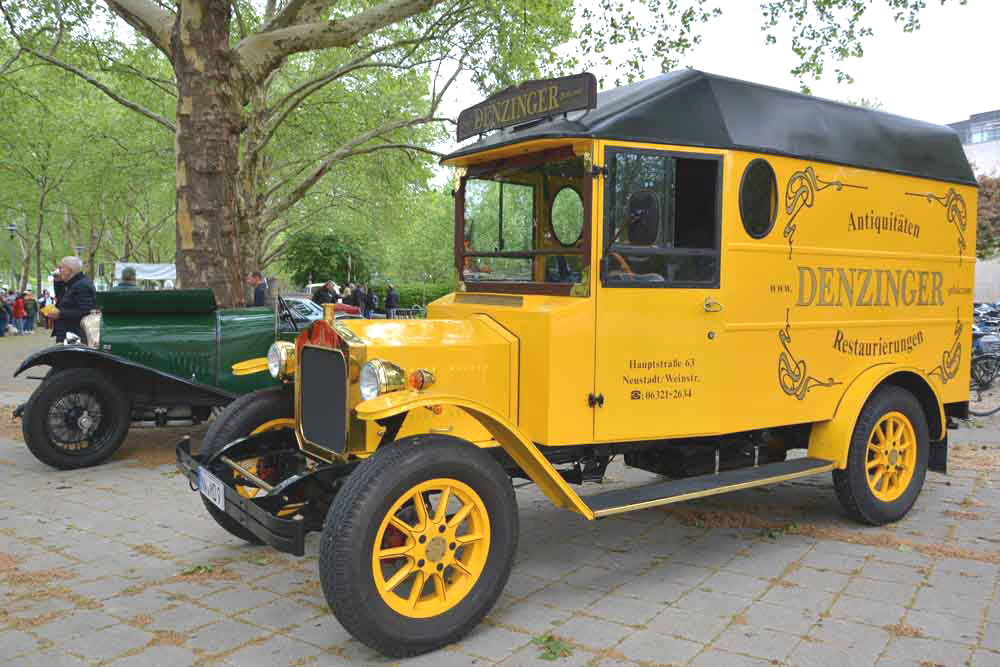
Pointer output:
207, 149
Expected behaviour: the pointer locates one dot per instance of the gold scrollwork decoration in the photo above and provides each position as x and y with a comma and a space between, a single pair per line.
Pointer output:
793, 376
951, 359
957, 214
800, 192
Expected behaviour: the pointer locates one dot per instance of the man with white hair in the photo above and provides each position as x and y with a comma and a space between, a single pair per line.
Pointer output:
78, 298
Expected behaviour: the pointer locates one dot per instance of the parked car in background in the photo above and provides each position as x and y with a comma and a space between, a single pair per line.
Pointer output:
155, 358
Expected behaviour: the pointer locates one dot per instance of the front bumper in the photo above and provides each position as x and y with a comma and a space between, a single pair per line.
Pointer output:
286, 535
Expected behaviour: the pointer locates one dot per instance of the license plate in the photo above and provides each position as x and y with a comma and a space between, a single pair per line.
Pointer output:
211, 487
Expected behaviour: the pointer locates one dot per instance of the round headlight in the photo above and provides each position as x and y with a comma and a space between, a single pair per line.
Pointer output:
281, 359
380, 377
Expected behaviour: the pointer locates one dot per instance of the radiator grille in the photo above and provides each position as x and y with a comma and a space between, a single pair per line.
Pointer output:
323, 397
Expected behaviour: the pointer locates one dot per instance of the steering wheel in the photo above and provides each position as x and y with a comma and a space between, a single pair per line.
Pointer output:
286, 312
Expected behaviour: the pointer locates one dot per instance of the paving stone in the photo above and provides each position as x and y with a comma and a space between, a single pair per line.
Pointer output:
956, 605
699, 600
111, 642
566, 597
235, 600
281, 613
492, 642
882, 591
800, 597
944, 626
923, 653
903, 574
52, 657
687, 624
323, 631
223, 636
739, 585
776, 617
598, 578
653, 587
716, 658
627, 611
758, 642
276, 650
647, 646
528, 656
182, 618
530, 616
15, 642
984, 658
824, 560
991, 637
175, 656
863, 641
827, 580
80, 622
867, 611
591, 632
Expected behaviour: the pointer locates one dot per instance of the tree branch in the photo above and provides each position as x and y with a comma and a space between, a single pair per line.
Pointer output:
128, 104
260, 53
150, 20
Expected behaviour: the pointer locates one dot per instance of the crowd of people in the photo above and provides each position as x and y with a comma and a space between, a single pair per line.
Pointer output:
19, 310
359, 295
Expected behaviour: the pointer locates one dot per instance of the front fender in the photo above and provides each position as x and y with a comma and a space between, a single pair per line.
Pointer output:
520, 448
80, 356
831, 439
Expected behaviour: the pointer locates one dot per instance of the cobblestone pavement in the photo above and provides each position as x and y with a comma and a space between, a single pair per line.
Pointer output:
121, 565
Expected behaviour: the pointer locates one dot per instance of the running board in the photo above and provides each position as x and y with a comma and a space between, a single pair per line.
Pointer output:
677, 490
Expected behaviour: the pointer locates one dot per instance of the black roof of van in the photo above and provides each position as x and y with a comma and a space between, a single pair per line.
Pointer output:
693, 108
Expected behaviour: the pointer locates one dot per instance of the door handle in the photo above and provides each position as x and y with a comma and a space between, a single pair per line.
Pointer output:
712, 306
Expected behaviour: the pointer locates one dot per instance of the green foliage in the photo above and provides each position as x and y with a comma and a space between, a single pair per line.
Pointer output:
313, 256
416, 294
836, 29
552, 648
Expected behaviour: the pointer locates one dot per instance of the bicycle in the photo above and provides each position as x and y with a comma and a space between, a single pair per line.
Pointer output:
984, 389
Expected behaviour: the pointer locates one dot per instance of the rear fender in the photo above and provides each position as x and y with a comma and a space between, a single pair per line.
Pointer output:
831, 439
145, 384
520, 448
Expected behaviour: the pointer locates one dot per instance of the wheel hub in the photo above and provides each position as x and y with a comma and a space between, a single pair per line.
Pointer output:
85, 422
893, 457
436, 549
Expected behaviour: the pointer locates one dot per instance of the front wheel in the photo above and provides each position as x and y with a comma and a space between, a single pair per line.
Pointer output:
77, 417
419, 544
887, 459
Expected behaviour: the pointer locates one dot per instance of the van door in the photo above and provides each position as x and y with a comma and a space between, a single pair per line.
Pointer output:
659, 312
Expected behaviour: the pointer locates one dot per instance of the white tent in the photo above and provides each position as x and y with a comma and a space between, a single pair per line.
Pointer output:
148, 271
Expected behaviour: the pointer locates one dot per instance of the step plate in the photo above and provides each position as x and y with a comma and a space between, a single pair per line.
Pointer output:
677, 490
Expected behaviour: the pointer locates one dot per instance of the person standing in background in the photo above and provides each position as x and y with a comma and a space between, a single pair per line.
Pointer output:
4, 316
20, 314
391, 301
128, 279
256, 280
31, 308
361, 299
326, 293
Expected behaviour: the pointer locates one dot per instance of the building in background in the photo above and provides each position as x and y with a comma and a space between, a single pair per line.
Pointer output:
981, 139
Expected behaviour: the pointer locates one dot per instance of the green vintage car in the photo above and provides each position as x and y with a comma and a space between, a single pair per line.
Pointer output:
153, 358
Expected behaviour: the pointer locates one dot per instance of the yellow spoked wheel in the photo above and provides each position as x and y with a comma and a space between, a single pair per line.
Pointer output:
891, 456
431, 548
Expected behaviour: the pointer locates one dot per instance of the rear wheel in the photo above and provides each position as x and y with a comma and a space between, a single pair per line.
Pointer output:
887, 460
77, 417
260, 411
418, 544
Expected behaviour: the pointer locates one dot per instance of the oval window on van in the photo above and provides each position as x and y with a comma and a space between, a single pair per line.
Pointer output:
567, 216
758, 198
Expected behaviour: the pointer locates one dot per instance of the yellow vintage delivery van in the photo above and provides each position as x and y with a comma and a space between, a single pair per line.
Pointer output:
694, 273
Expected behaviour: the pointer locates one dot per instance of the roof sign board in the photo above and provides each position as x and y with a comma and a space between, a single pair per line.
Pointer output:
529, 101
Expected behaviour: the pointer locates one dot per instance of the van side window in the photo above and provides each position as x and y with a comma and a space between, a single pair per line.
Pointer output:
662, 220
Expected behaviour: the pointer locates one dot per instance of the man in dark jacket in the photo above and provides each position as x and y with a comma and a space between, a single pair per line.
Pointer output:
78, 298
361, 299
256, 281
391, 301
326, 293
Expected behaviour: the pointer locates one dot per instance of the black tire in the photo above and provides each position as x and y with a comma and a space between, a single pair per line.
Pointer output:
345, 553
852, 484
238, 420
55, 393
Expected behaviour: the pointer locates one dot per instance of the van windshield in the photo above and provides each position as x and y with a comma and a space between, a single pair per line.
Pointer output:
526, 224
